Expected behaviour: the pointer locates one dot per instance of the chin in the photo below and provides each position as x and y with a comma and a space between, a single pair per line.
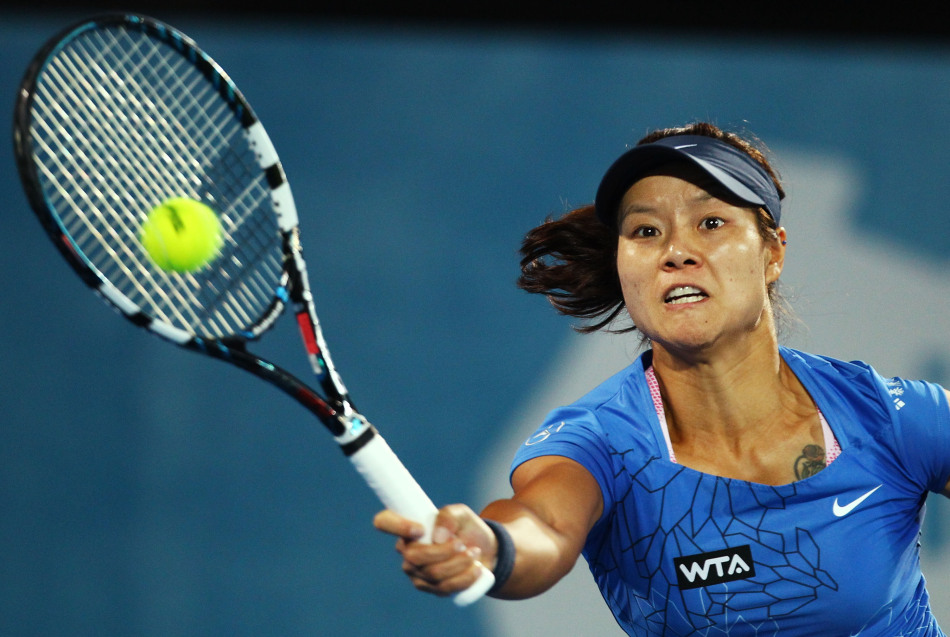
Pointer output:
683, 342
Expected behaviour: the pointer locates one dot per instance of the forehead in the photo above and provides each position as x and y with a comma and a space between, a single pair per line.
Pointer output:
679, 177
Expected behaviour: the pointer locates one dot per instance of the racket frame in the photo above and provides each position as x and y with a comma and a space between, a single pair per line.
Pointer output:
356, 437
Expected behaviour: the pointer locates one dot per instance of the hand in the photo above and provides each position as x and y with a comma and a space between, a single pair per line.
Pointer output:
460, 539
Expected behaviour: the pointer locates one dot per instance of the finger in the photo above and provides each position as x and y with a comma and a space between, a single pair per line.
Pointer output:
390, 522
462, 523
445, 578
422, 555
455, 518
447, 522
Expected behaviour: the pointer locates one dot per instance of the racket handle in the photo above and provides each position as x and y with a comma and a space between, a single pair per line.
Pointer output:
400, 492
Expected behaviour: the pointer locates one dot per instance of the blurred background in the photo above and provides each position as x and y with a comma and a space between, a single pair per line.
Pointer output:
148, 491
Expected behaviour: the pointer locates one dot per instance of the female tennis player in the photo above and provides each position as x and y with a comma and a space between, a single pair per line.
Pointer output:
722, 484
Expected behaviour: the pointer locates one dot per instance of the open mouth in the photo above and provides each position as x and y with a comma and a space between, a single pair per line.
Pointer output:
684, 294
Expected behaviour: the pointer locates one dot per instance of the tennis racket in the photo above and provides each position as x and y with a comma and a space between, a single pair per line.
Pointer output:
121, 112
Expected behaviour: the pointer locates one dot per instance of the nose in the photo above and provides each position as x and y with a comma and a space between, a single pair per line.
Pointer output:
680, 251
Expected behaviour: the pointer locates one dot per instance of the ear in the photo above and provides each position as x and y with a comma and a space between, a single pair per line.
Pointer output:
775, 252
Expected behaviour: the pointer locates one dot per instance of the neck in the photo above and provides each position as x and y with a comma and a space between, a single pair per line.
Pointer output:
726, 393
737, 413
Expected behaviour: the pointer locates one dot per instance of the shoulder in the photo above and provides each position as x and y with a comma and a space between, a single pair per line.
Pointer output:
853, 383
861, 383
616, 417
620, 402
905, 423
595, 413
827, 366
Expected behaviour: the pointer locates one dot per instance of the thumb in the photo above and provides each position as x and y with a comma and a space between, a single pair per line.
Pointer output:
459, 522
447, 523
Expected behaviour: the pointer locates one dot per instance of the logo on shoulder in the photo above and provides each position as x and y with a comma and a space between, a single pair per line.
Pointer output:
716, 567
544, 434
896, 389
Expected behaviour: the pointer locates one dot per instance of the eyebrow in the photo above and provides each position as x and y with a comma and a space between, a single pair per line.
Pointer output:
635, 207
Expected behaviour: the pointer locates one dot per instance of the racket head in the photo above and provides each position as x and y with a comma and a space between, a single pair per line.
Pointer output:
120, 112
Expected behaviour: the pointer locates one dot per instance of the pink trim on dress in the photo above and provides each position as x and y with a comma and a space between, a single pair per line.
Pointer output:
660, 412
832, 448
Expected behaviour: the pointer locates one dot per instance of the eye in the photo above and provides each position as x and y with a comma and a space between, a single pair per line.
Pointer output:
643, 232
712, 223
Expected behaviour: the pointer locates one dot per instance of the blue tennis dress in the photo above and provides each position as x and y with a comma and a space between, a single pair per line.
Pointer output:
680, 552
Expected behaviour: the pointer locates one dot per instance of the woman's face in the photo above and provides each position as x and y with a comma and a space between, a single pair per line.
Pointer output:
693, 268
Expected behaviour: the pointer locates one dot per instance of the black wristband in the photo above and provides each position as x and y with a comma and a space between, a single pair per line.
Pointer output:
504, 556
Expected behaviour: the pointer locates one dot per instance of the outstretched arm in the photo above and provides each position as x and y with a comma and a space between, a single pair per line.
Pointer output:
555, 503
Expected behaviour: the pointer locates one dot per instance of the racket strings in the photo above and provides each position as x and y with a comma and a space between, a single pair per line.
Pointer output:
122, 122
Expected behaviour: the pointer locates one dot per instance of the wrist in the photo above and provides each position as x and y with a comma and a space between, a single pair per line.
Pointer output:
504, 555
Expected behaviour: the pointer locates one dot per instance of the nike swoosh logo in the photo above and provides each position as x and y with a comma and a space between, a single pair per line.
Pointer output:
841, 511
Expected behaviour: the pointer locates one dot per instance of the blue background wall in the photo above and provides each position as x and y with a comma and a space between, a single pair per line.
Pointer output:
147, 491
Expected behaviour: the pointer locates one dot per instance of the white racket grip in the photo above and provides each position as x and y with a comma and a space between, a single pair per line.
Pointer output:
400, 492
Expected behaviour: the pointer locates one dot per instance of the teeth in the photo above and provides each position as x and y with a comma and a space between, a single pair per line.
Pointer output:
686, 299
685, 294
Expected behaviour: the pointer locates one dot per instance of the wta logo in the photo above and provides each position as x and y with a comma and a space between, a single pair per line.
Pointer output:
705, 569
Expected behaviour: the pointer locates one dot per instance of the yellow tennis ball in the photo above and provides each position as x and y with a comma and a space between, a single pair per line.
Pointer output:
182, 235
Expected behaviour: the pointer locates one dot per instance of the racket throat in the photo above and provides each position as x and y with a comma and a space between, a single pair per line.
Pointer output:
350, 444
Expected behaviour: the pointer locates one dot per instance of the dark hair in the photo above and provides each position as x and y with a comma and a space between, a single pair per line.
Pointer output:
573, 260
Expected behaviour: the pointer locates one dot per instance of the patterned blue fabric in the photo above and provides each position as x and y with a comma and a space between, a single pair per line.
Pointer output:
833, 554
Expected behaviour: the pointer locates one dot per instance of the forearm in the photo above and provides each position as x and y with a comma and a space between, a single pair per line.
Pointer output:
555, 504
543, 554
